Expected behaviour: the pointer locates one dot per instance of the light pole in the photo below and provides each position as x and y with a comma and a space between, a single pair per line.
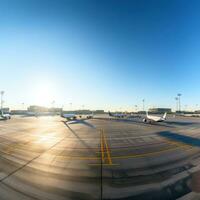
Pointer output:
196, 107
135, 108
53, 106
179, 98
83, 107
176, 98
143, 103
22, 106
2, 93
70, 106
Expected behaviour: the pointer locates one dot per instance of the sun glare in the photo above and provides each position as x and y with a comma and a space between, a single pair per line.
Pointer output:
44, 94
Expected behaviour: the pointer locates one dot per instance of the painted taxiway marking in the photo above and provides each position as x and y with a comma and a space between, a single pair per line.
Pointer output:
126, 156
107, 149
106, 159
102, 147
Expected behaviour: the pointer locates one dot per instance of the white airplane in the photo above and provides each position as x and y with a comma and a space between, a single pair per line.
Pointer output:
5, 116
151, 118
90, 116
117, 115
75, 116
69, 116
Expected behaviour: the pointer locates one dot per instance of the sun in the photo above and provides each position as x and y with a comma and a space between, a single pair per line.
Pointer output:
44, 94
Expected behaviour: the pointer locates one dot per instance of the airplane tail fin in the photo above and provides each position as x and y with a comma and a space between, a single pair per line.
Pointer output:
110, 113
164, 116
147, 113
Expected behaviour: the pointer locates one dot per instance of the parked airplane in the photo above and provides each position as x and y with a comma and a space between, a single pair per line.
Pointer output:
5, 116
117, 115
90, 116
75, 116
151, 118
69, 116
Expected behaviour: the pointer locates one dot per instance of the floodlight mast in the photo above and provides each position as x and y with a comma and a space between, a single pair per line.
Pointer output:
177, 104
179, 98
143, 103
2, 93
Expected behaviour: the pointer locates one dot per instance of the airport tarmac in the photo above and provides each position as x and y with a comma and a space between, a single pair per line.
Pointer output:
101, 158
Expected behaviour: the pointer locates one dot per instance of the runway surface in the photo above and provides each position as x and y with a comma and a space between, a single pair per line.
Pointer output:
49, 158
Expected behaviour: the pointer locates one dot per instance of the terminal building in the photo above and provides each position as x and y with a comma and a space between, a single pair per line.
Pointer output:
35, 108
160, 110
18, 112
98, 112
5, 110
83, 112
38, 109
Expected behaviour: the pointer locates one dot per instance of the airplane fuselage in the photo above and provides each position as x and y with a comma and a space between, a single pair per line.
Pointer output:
117, 115
6, 116
151, 118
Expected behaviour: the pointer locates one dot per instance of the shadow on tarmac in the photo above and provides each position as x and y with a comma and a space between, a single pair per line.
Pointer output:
3, 119
82, 121
179, 123
180, 138
80, 139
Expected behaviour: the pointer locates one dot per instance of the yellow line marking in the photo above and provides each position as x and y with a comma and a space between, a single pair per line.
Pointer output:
125, 157
147, 154
135, 148
102, 146
105, 154
107, 149
97, 164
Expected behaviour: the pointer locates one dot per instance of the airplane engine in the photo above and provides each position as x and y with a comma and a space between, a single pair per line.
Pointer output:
144, 120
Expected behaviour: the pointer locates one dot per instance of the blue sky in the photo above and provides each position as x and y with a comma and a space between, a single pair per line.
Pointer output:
100, 54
